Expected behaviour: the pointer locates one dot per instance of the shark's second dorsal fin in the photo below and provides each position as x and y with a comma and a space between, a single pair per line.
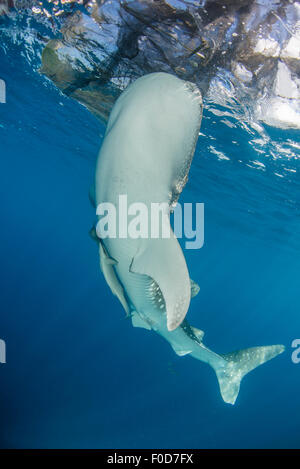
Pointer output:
163, 261
106, 264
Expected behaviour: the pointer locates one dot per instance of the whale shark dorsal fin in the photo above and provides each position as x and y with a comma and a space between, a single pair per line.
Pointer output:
163, 261
106, 264
194, 288
198, 333
138, 321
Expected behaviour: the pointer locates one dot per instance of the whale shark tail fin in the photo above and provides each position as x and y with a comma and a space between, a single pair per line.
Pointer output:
238, 364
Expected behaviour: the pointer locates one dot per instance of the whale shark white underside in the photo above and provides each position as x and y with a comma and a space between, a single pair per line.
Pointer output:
146, 153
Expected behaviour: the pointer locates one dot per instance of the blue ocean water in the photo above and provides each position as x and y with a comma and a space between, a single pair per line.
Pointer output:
77, 374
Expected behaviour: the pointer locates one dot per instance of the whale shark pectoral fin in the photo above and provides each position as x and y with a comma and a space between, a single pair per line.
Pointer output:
194, 288
198, 333
104, 254
110, 261
164, 262
138, 321
180, 351
92, 197
106, 264
105, 258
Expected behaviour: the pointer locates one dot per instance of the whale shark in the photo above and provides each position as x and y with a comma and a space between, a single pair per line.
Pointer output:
146, 154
